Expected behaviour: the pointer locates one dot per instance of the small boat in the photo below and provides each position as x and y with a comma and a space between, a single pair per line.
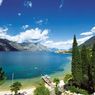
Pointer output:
47, 80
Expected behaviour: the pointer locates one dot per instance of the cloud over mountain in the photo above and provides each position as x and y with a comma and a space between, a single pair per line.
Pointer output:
30, 35
68, 44
42, 36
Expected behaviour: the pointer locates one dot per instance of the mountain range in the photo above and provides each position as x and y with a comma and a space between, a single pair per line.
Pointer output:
6, 45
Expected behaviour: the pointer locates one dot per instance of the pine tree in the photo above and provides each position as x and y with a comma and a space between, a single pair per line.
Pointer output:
76, 63
93, 67
85, 66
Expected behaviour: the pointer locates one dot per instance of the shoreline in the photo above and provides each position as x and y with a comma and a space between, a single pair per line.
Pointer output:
33, 82
29, 84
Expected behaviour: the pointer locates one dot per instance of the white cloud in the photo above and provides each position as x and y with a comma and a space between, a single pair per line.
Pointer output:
41, 36
91, 32
10, 24
58, 45
19, 14
61, 4
3, 29
28, 3
31, 35
86, 33
3, 32
1, 1
64, 44
25, 27
39, 22
82, 40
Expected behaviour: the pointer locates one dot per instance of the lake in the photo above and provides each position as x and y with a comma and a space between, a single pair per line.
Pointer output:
31, 65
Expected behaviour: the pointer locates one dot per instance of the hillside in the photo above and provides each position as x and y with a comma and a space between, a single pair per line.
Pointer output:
6, 45
89, 43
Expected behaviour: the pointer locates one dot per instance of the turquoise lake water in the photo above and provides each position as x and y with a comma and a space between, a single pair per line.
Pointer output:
30, 65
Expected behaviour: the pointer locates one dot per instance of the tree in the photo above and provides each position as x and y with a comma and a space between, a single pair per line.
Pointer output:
15, 87
67, 77
93, 67
41, 90
76, 63
2, 74
85, 66
56, 80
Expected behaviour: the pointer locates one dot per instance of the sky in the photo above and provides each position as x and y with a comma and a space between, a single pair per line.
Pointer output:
52, 23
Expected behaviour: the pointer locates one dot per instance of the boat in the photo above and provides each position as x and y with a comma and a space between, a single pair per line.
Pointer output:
48, 80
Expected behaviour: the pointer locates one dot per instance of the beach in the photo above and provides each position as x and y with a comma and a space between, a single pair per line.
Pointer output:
28, 91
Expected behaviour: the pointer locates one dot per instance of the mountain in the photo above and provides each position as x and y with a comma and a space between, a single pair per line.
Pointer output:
6, 45
53, 49
89, 43
34, 47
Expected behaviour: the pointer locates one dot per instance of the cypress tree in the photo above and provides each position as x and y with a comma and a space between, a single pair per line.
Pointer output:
85, 66
93, 67
76, 63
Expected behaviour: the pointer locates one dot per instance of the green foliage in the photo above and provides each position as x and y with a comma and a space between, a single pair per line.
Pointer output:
67, 77
56, 80
85, 65
93, 66
76, 63
2, 81
77, 90
2, 74
57, 90
41, 90
15, 87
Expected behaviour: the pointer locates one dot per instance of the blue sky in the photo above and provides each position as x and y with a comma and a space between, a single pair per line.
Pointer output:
50, 22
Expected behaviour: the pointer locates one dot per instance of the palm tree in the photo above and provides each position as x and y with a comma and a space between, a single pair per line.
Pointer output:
15, 87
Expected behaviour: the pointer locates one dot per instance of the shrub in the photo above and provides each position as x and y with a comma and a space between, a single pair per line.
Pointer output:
56, 80
41, 90
77, 90
67, 78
